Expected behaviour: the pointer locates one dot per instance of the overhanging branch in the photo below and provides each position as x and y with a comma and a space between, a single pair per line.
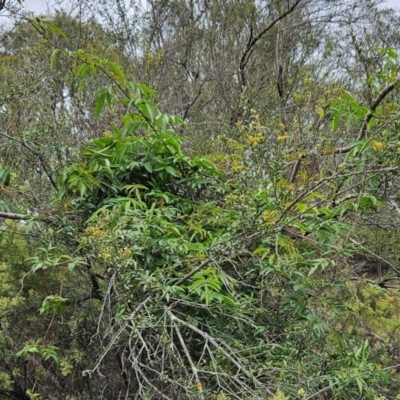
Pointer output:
364, 127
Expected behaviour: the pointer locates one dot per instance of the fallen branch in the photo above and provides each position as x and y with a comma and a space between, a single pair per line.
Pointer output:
8, 215
220, 348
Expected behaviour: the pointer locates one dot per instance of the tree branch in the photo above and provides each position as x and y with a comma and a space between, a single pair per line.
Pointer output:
194, 271
369, 116
39, 156
219, 346
8, 215
254, 39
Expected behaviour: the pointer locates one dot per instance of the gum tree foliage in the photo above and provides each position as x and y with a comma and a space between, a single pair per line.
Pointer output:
156, 273
227, 57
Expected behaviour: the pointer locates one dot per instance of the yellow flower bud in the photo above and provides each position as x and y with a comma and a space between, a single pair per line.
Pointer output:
377, 146
301, 392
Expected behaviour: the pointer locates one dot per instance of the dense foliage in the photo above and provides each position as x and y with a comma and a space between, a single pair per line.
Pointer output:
245, 248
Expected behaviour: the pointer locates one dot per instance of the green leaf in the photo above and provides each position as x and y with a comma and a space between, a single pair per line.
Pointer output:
115, 68
100, 104
392, 52
37, 266
148, 109
312, 270
30, 348
263, 251
360, 384
348, 96
53, 57
50, 352
108, 98
172, 171
71, 266
149, 166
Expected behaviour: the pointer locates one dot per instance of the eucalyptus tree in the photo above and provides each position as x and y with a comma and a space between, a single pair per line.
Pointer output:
227, 57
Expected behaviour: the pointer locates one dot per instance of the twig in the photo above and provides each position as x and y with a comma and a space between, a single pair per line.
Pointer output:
192, 365
376, 256
254, 39
210, 339
115, 338
39, 156
191, 273
395, 206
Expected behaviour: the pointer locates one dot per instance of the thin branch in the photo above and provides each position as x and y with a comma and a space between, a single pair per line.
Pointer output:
8, 215
116, 337
210, 339
254, 39
379, 258
191, 273
189, 358
361, 135
39, 156
383, 283
395, 206
335, 176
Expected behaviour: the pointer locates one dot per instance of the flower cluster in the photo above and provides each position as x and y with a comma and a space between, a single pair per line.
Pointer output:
254, 131
125, 253
108, 134
96, 232
105, 254
236, 166
302, 393
282, 138
229, 162
377, 146
320, 111
255, 139
298, 97
269, 216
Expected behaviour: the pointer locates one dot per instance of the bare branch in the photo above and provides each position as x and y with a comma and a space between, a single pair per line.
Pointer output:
230, 357
254, 39
376, 256
189, 358
8, 215
116, 336
395, 206
39, 156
